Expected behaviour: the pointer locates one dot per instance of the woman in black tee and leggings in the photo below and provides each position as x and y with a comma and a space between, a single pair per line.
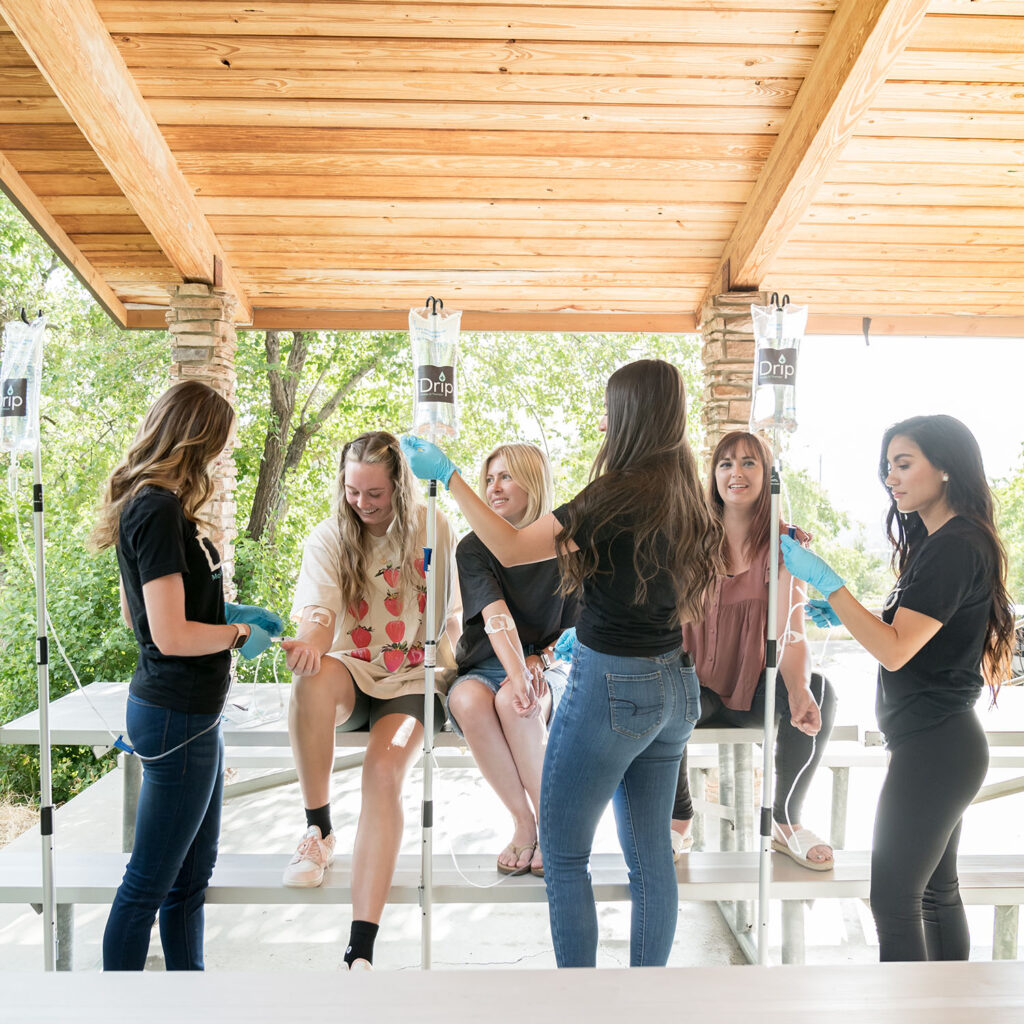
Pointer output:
945, 623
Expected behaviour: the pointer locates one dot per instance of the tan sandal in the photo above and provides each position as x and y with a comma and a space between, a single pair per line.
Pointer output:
517, 852
797, 846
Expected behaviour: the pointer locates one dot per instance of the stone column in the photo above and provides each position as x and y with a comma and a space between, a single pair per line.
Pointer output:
203, 344
728, 353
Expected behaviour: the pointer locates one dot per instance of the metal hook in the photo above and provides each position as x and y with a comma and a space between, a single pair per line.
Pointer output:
24, 318
773, 299
432, 304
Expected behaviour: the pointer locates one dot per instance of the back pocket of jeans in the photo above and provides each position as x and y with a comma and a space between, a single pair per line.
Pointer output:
637, 703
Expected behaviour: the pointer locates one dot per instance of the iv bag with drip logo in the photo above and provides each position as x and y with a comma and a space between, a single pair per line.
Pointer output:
435, 343
778, 332
20, 378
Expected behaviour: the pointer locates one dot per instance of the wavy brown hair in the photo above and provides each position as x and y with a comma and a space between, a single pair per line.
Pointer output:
184, 431
951, 448
378, 448
645, 483
733, 444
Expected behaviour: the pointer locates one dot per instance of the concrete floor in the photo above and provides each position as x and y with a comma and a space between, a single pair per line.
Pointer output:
470, 820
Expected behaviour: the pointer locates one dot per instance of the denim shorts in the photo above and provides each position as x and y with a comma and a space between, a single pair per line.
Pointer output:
491, 672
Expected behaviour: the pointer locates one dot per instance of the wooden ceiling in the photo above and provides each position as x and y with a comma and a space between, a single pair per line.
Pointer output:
558, 165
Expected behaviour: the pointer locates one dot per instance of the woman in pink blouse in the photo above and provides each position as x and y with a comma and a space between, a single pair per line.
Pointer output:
728, 648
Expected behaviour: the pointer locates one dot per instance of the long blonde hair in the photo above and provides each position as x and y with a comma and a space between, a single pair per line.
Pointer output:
184, 431
529, 467
378, 448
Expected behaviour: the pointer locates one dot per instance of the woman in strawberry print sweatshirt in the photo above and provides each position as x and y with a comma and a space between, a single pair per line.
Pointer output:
357, 663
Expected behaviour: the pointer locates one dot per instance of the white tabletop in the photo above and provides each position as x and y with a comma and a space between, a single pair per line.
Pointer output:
936, 993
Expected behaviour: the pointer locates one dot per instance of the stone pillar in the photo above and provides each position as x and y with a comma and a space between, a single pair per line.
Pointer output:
203, 344
728, 353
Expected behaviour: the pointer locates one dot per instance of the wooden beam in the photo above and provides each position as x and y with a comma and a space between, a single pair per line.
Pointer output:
863, 40
40, 218
398, 320
72, 48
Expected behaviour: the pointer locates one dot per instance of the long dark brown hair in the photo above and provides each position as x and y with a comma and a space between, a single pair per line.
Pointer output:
186, 428
645, 483
951, 448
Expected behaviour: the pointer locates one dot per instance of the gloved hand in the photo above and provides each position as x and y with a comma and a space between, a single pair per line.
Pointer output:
258, 642
821, 613
426, 460
254, 616
563, 648
806, 565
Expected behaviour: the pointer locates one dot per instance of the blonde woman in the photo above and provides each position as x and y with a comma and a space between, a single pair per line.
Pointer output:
357, 663
509, 680
172, 597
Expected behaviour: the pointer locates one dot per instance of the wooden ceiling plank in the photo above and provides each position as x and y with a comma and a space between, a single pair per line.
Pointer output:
468, 188
951, 194
862, 43
916, 217
226, 54
962, 32
660, 21
957, 233
851, 173
954, 97
933, 151
70, 45
621, 263
603, 85
43, 221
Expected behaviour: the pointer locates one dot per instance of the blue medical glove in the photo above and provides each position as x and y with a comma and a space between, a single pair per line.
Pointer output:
821, 613
806, 565
254, 616
258, 642
426, 460
563, 647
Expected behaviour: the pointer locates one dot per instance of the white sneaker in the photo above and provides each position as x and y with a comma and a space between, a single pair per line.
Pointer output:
313, 856
360, 965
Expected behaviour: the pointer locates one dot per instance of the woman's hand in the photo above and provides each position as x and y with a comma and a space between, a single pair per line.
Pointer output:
426, 460
804, 712
524, 699
806, 565
302, 658
536, 669
258, 642
821, 613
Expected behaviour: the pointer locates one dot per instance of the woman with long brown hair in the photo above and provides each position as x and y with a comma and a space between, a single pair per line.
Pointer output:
728, 647
946, 627
172, 597
639, 545
358, 663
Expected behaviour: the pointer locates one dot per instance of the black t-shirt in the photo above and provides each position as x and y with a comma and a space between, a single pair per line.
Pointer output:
949, 579
530, 591
154, 540
610, 621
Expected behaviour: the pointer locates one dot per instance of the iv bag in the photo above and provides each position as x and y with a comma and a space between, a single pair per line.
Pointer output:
20, 376
435, 343
777, 334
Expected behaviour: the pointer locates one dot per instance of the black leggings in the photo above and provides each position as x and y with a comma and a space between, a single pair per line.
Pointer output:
793, 749
915, 895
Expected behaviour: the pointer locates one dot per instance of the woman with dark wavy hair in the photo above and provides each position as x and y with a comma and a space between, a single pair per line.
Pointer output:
945, 629
640, 547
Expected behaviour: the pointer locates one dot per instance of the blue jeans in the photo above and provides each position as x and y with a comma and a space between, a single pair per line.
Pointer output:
176, 833
619, 734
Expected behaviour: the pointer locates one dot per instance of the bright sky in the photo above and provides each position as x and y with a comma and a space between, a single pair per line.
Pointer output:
848, 393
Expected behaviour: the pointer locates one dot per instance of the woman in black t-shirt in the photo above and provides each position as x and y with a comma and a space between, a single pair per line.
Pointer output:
639, 544
172, 597
509, 680
946, 624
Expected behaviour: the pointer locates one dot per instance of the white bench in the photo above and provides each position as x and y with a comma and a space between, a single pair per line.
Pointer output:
995, 880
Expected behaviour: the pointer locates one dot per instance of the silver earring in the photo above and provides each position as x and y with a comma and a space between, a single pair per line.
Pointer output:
945, 478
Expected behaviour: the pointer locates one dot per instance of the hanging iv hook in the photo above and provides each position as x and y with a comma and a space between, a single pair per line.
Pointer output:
433, 305
24, 317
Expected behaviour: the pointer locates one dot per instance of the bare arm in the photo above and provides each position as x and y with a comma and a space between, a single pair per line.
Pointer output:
509, 650
795, 660
891, 645
533, 543
126, 613
312, 641
175, 635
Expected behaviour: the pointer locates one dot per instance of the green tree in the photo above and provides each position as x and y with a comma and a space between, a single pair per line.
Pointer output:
1009, 494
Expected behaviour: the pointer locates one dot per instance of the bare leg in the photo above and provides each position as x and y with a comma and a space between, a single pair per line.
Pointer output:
475, 708
395, 743
526, 739
318, 703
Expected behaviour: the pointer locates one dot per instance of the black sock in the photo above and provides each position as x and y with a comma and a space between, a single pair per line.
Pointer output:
321, 817
360, 942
